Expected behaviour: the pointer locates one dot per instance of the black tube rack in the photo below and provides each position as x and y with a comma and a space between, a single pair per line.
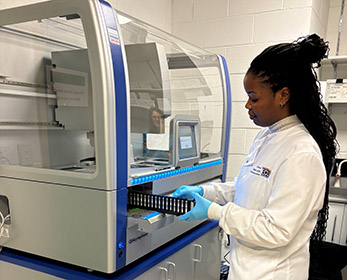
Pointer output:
160, 203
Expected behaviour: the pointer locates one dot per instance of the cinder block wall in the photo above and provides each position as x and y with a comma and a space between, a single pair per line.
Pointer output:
239, 30
155, 12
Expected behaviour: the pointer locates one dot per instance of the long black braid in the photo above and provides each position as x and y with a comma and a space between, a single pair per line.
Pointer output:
293, 65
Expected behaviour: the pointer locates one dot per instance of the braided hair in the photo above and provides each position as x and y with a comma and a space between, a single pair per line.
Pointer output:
292, 65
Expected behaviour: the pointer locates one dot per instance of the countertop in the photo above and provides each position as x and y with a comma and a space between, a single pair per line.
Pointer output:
338, 194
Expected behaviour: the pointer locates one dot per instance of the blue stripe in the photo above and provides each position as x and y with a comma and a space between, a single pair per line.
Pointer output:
157, 176
227, 134
121, 130
132, 271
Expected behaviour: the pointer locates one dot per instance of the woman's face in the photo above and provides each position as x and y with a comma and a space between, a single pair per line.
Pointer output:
156, 118
263, 105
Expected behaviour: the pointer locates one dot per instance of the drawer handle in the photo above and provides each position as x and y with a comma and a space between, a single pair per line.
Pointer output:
199, 247
165, 271
173, 266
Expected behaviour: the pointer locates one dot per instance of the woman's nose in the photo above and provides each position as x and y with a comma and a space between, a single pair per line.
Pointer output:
248, 105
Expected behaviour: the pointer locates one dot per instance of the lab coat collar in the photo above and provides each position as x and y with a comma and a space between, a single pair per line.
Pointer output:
284, 124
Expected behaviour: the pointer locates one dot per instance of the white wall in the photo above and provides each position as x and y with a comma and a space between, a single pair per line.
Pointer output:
154, 12
239, 30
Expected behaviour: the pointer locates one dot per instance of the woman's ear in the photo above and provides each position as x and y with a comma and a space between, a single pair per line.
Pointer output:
284, 95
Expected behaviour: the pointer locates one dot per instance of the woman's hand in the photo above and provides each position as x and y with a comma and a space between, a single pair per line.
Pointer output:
200, 210
186, 191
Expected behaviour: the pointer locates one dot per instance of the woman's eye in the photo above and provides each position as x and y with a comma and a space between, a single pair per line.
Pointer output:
254, 100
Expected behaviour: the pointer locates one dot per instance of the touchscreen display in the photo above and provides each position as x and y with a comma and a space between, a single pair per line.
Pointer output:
186, 141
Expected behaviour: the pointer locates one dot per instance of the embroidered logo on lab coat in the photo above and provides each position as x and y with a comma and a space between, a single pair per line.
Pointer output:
261, 171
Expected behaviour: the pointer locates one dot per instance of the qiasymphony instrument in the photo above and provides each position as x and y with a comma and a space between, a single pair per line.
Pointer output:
102, 118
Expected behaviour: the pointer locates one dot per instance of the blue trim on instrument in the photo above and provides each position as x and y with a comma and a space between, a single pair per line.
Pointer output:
157, 176
131, 271
121, 129
228, 126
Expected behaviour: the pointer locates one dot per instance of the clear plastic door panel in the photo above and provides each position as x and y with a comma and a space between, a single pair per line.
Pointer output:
169, 77
46, 114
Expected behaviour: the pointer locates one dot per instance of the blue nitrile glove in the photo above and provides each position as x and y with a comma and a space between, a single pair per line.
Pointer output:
186, 191
200, 210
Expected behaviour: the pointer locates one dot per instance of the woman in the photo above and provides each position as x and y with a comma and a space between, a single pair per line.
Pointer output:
270, 210
155, 115
156, 119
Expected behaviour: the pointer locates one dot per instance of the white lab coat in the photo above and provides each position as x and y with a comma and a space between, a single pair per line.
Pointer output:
276, 198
